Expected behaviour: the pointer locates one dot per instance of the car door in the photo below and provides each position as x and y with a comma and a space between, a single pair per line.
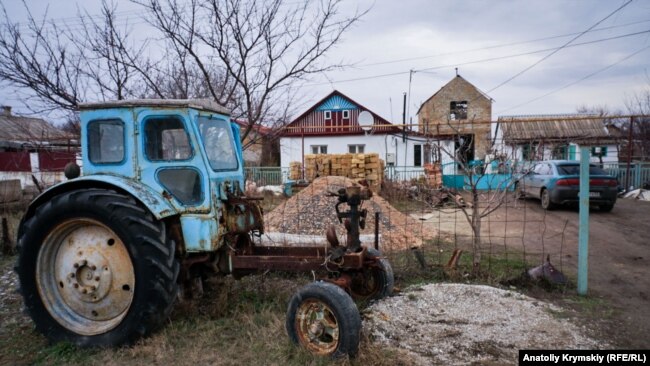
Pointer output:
528, 181
544, 174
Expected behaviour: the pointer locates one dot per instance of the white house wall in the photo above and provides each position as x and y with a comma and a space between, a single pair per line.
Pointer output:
382, 144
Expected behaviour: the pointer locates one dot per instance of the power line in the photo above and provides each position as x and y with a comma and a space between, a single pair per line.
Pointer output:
577, 81
490, 59
559, 48
499, 45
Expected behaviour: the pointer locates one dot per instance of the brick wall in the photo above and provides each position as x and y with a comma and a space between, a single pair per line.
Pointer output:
435, 114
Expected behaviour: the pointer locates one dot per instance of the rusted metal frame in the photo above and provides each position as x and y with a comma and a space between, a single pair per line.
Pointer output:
377, 230
295, 259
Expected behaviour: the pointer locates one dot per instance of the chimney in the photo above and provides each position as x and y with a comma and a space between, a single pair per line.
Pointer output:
6, 110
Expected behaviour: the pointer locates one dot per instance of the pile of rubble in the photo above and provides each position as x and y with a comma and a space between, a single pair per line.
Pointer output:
458, 324
311, 212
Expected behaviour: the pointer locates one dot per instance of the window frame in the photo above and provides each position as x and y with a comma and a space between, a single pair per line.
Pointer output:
115, 121
233, 139
200, 177
356, 150
603, 151
144, 138
320, 149
417, 159
453, 110
327, 115
345, 114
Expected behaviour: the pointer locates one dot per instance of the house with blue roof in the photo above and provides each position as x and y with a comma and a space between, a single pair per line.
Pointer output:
333, 126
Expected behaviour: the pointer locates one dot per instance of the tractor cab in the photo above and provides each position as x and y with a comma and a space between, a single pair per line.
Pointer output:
185, 153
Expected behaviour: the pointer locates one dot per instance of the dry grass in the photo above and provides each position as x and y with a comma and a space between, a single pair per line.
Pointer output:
235, 323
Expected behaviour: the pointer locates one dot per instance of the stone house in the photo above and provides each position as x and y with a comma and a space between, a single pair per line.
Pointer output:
461, 110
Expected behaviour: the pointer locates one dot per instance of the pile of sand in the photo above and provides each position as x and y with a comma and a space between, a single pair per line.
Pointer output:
311, 212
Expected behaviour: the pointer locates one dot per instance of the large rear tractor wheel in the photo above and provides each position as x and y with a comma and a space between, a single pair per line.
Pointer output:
373, 283
323, 319
96, 269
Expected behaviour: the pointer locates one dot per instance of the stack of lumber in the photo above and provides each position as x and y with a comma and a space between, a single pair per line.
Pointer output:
374, 170
355, 166
317, 166
295, 170
358, 166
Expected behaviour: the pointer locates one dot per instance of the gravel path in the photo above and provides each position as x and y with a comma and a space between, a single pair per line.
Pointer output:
457, 324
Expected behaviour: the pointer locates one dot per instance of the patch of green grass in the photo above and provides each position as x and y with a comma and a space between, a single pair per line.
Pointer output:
64, 353
590, 306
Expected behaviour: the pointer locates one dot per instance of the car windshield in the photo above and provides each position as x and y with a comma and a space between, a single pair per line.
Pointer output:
574, 169
218, 143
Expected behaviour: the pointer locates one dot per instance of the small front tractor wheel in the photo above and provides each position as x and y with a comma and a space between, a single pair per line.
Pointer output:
96, 269
323, 318
373, 283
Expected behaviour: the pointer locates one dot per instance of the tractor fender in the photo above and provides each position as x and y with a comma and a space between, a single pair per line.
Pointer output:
152, 200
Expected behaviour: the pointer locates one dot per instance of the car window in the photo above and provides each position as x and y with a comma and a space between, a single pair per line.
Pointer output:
574, 169
539, 168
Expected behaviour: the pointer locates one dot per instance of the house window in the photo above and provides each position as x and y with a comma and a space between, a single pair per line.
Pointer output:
599, 151
346, 114
417, 155
319, 149
458, 110
561, 152
356, 149
328, 114
528, 151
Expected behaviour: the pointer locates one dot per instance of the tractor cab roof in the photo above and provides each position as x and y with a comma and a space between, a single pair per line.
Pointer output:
200, 104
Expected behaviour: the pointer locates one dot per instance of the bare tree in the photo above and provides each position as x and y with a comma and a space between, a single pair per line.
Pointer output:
639, 103
39, 60
489, 183
263, 47
246, 55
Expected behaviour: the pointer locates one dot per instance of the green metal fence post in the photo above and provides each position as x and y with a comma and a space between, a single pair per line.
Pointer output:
583, 229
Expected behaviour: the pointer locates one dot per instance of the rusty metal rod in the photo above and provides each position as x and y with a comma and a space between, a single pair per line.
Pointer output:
376, 230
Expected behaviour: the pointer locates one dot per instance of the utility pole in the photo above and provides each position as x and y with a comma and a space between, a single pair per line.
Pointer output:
408, 108
629, 154
404, 119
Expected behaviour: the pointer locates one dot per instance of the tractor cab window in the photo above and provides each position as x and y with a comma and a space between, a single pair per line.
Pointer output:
106, 141
166, 139
219, 143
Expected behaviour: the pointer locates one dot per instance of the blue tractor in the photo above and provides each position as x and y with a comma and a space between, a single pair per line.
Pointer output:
104, 255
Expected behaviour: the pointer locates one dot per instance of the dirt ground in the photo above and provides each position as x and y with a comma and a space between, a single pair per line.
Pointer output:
619, 252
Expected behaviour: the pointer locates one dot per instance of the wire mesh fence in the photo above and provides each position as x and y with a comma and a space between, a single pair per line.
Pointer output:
429, 233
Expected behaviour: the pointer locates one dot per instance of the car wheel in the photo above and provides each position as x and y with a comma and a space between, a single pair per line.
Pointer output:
519, 193
546, 200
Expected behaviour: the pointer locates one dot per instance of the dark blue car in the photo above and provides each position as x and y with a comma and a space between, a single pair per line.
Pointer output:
556, 182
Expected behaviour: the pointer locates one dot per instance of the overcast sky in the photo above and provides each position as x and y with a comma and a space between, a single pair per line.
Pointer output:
434, 37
